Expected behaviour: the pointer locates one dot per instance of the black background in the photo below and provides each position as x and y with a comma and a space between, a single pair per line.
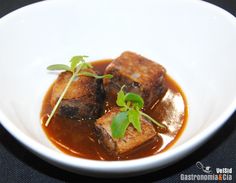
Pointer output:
19, 165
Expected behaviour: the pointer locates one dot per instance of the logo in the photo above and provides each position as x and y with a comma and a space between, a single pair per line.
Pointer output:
209, 174
206, 169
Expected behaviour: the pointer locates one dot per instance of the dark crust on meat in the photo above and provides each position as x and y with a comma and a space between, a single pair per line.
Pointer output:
83, 108
105, 139
83, 100
139, 74
132, 138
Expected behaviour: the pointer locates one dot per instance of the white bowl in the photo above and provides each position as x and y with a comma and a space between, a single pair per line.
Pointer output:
194, 40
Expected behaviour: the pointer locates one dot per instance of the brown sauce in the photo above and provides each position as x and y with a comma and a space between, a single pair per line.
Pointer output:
78, 138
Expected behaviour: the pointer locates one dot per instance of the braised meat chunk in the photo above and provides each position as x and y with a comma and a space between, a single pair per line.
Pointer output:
83, 100
132, 138
140, 75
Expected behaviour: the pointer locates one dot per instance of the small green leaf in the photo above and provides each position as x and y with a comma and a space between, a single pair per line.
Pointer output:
58, 67
134, 118
134, 98
136, 106
120, 101
84, 73
108, 76
119, 125
86, 65
76, 60
125, 108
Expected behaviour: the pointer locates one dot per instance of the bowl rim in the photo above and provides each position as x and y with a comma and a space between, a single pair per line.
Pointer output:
123, 166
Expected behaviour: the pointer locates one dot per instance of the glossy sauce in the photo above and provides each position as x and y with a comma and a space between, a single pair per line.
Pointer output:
78, 138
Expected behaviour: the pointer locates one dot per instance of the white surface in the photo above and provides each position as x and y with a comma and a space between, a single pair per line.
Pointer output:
194, 40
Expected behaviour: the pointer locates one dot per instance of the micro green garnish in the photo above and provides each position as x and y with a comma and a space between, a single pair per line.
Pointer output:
77, 65
130, 106
84, 73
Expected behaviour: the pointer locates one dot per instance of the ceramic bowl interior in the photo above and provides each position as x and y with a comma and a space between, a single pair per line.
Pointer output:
193, 40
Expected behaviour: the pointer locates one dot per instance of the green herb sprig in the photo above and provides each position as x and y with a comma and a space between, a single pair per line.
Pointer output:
77, 65
130, 106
